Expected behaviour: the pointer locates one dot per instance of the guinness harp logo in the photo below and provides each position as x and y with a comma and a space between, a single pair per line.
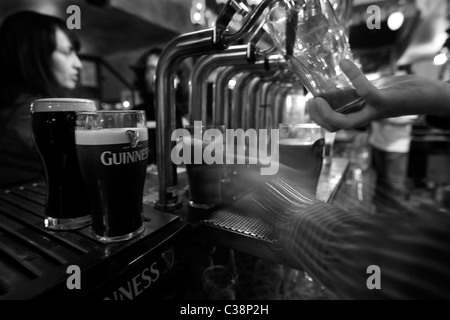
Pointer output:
133, 136
169, 258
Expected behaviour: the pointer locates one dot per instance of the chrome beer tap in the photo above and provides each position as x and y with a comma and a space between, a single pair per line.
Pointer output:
221, 96
280, 101
234, 55
256, 97
192, 44
203, 68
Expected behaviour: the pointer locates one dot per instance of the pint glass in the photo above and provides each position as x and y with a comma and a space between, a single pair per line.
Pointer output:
204, 177
112, 148
53, 126
301, 148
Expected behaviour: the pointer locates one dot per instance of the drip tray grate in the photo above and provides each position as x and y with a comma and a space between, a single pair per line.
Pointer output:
239, 218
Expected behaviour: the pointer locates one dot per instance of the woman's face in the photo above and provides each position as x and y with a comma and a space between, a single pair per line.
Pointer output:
65, 63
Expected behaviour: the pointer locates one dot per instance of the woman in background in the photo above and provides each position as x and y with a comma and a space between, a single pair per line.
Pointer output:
38, 59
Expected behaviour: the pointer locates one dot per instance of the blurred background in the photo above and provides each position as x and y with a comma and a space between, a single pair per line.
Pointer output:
114, 33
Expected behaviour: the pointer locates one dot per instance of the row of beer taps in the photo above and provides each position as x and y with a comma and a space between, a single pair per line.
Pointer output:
262, 83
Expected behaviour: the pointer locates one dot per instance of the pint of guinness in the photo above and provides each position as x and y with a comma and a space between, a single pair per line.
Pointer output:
301, 148
205, 180
53, 126
112, 148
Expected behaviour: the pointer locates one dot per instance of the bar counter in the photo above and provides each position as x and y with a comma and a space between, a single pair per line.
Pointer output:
34, 261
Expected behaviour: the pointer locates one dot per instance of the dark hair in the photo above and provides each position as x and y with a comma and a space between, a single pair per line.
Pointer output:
139, 69
27, 41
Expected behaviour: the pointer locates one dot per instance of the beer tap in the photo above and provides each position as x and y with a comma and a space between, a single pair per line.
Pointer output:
239, 99
262, 110
254, 94
265, 89
271, 64
222, 101
269, 100
280, 101
242, 54
192, 44
234, 55
238, 96
221, 96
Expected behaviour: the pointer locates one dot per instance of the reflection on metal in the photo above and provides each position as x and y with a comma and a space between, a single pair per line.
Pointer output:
192, 44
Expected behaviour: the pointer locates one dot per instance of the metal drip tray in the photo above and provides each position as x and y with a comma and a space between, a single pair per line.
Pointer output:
34, 260
237, 227
241, 221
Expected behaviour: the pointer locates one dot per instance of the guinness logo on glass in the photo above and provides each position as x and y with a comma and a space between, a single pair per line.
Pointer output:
133, 136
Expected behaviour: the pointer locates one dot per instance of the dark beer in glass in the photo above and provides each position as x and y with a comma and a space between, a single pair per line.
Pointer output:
112, 148
205, 180
53, 127
301, 148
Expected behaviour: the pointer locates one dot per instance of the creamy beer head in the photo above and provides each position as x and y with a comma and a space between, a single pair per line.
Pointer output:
297, 142
62, 105
110, 136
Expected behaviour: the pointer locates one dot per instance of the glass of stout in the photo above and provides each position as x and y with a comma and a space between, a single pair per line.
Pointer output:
205, 176
112, 148
53, 127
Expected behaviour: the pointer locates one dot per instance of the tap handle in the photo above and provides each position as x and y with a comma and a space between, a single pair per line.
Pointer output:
231, 8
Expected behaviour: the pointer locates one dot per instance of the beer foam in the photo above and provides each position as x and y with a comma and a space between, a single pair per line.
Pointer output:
62, 105
107, 136
296, 142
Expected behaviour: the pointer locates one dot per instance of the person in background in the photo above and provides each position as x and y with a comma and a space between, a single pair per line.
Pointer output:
390, 141
38, 59
145, 77
401, 255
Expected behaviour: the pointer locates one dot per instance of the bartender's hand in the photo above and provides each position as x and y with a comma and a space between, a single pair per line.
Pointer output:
388, 97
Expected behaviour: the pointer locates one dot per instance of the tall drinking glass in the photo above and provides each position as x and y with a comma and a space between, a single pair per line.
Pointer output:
53, 127
112, 148
205, 175
313, 41
301, 148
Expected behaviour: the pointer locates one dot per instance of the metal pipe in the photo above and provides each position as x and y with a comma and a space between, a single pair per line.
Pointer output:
238, 111
250, 23
222, 101
253, 87
280, 101
188, 45
257, 105
237, 96
269, 103
272, 94
191, 44
202, 70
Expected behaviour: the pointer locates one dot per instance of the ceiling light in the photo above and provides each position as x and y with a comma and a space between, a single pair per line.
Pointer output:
395, 20
441, 58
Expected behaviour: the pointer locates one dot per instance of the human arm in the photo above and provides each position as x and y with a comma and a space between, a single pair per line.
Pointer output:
386, 98
337, 247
